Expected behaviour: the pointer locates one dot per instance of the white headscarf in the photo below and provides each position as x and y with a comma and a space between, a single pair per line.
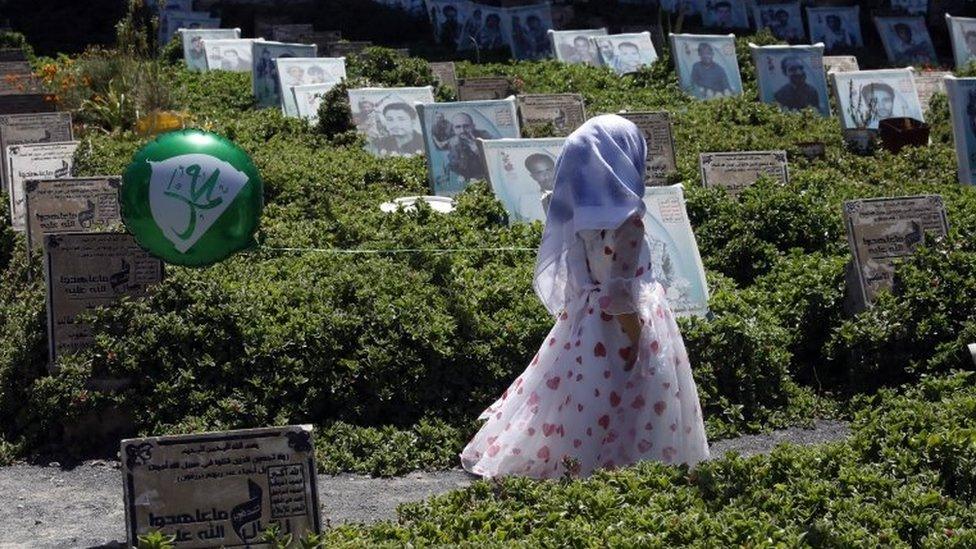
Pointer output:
599, 184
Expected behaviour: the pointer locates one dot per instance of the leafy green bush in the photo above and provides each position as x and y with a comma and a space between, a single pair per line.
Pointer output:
904, 478
923, 328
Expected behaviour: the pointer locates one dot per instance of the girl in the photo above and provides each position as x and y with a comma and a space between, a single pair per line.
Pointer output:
611, 383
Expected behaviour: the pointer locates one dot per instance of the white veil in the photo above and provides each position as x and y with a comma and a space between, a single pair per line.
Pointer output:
599, 184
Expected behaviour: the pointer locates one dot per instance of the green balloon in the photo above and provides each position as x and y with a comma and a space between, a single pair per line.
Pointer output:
192, 198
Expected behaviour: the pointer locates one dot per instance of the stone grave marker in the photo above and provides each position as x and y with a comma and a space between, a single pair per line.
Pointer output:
221, 489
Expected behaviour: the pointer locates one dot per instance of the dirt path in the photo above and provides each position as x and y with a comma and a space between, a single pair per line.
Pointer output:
82, 506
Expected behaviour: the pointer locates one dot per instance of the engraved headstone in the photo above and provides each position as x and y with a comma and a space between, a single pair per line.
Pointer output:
840, 63
35, 161
481, 89
880, 230
656, 127
17, 78
17, 129
70, 205
221, 489
734, 171
563, 112
445, 73
929, 83
87, 270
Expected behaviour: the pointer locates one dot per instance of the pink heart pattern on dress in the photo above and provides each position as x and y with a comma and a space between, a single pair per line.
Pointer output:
553, 383
599, 350
659, 407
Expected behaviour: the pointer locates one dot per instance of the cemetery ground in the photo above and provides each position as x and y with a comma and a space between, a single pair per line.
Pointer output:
392, 355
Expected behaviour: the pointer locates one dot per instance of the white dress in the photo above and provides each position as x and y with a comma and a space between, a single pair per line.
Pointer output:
589, 394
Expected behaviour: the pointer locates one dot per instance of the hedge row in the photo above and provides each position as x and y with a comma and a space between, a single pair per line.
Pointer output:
906, 478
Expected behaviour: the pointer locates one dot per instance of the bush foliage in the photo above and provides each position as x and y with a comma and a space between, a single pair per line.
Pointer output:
904, 479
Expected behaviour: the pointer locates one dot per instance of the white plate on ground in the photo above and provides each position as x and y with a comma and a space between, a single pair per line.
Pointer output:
442, 204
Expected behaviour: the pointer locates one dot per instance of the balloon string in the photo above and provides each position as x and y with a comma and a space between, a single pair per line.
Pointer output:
396, 250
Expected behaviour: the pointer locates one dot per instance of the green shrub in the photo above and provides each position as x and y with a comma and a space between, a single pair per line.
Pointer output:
905, 478
923, 327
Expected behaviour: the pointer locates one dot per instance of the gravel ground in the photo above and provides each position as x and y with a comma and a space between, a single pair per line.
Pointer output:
82, 506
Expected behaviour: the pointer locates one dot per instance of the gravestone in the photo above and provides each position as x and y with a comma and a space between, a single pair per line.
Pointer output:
840, 63
881, 230
221, 489
734, 171
70, 205
674, 257
656, 127
563, 112
18, 129
34, 161
657, 36
929, 83
446, 74
87, 270
479, 89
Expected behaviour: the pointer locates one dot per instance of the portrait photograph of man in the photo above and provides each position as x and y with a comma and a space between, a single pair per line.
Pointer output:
792, 77
575, 47
194, 54
228, 54
706, 65
962, 34
482, 29
522, 174
447, 22
838, 28
725, 14
451, 132
867, 97
906, 40
625, 53
301, 71
783, 20
264, 71
388, 118
527, 30
962, 111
